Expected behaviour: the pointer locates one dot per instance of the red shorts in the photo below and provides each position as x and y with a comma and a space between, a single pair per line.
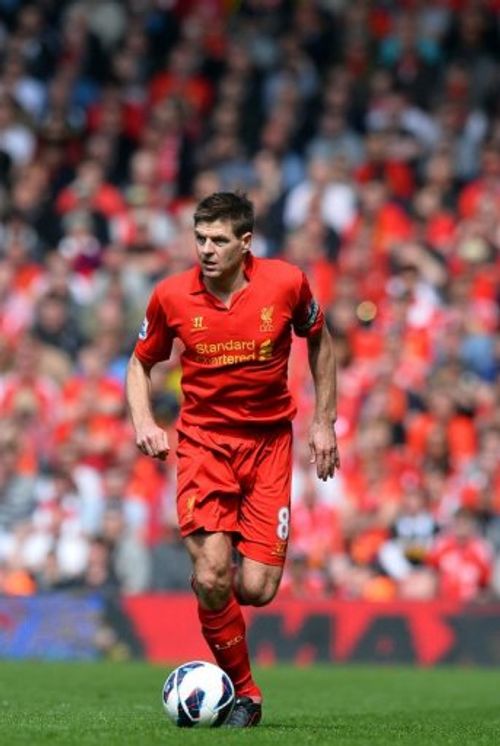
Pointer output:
237, 481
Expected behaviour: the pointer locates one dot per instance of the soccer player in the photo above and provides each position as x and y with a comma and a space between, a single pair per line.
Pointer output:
234, 314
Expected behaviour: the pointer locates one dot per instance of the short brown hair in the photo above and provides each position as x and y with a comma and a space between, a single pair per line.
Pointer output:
231, 206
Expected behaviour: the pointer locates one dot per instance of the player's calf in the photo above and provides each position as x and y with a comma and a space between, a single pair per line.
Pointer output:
257, 583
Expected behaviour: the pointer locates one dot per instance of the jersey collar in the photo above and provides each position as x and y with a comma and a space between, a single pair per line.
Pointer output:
198, 286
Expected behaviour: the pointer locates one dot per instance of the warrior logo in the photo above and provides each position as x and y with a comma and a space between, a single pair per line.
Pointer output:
198, 322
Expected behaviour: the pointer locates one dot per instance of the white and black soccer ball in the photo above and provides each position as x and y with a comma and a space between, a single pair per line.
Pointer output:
198, 694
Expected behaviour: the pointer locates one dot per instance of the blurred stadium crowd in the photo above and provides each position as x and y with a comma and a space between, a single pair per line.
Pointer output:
368, 136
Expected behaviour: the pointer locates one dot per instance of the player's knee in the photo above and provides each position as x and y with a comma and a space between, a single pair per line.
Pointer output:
213, 584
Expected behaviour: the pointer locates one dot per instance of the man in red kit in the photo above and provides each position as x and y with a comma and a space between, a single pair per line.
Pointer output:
234, 314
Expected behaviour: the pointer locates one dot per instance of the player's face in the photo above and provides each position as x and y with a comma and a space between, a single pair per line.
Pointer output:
220, 252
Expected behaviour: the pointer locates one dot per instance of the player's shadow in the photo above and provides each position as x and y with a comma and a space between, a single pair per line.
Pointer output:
291, 727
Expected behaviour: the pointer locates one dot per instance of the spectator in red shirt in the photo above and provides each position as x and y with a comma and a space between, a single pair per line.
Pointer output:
300, 581
486, 185
316, 530
442, 411
381, 166
462, 559
182, 79
90, 191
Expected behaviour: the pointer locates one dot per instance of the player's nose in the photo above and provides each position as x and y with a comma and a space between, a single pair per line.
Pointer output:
208, 248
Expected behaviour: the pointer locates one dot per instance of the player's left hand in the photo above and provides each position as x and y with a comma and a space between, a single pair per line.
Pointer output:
324, 449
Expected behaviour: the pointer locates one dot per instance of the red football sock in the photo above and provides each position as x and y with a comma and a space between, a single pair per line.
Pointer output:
224, 631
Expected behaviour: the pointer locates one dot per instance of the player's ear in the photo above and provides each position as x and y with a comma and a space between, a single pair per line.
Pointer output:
246, 240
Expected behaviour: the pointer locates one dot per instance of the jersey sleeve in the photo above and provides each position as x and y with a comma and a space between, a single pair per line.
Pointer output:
155, 338
307, 317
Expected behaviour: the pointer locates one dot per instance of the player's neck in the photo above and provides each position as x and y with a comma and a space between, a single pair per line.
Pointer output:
225, 287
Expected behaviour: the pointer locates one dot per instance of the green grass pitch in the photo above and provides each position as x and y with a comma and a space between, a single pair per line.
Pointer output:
120, 703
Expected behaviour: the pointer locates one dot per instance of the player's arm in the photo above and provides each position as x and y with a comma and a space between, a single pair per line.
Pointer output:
308, 321
150, 438
322, 438
154, 344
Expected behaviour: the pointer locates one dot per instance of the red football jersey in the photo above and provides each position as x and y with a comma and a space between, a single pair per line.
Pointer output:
234, 362
463, 568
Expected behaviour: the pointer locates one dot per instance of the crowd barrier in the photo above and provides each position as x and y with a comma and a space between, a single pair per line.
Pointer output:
164, 628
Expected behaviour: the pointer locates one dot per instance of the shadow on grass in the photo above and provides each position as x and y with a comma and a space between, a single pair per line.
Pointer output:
299, 728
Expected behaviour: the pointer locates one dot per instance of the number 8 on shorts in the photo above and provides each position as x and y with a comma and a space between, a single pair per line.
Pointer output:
283, 527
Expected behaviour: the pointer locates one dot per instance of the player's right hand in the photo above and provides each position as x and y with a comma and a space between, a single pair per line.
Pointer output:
152, 441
